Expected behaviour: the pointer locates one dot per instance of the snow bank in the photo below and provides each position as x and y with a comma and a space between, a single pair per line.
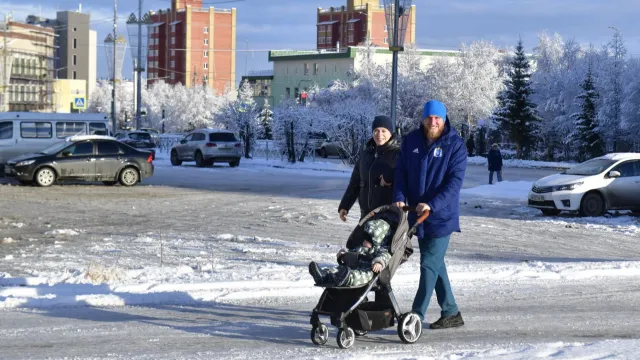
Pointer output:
515, 163
512, 190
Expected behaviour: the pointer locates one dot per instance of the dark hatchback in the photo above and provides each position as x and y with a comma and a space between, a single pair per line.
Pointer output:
138, 139
85, 158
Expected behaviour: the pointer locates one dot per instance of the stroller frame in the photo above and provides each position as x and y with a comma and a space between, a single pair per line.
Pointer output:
349, 309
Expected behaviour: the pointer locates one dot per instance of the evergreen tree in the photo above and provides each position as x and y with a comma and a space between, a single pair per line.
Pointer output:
586, 136
516, 114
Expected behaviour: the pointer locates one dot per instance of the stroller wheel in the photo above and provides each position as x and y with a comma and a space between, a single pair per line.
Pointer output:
360, 332
409, 328
319, 334
346, 338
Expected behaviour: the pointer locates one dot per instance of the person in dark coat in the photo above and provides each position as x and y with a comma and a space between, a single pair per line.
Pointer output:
471, 145
372, 178
429, 176
494, 160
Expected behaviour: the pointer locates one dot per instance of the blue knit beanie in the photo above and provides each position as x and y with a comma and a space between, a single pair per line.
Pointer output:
434, 107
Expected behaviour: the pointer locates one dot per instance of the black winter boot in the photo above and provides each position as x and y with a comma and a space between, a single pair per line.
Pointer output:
446, 322
317, 273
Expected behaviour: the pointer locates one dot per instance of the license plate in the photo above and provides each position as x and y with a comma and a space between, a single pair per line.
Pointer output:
537, 197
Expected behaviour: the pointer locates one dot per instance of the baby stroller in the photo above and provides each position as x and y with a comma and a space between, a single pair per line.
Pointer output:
350, 309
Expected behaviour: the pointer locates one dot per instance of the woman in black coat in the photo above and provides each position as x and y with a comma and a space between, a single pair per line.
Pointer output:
372, 178
494, 160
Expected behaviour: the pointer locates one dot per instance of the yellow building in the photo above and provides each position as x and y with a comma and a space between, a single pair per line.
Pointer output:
66, 92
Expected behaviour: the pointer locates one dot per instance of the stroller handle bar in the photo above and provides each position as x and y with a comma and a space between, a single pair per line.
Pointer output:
421, 218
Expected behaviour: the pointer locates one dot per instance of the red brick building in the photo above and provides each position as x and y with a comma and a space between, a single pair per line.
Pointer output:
350, 25
192, 45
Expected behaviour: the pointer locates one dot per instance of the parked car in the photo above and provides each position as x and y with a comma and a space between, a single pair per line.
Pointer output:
87, 158
138, 139
155, 134
325, 147
610, 182
207, 146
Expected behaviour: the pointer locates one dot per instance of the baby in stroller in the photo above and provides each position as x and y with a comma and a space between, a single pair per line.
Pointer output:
358, 265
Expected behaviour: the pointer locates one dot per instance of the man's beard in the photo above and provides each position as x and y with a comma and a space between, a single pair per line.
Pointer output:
434, 133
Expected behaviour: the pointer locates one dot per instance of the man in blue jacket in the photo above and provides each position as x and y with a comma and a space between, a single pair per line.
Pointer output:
429, 175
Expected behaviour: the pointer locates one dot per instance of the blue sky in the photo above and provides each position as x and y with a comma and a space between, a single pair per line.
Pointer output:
444, 24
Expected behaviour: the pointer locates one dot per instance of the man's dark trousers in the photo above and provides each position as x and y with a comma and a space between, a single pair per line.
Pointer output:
433, 275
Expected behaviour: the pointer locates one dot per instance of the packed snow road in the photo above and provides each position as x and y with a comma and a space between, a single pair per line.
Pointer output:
211, 263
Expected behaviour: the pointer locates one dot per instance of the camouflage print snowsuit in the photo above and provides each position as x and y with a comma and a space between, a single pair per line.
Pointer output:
379, 231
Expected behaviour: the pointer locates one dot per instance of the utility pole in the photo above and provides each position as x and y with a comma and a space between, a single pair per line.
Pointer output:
135, 91
113, 91
394, 64
139, 68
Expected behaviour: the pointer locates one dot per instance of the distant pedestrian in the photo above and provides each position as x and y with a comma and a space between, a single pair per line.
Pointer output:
495, 163
372, 178
471, 145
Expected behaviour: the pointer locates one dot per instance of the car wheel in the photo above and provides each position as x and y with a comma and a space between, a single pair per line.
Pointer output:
175, 160
550, 212
109, 183
592, 204
199, 159
323, 153
234, 163
45, 176
129, 176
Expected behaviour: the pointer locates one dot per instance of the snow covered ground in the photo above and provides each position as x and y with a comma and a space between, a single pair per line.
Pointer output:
212, 263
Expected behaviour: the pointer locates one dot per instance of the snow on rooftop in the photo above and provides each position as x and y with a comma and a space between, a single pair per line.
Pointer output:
89, 137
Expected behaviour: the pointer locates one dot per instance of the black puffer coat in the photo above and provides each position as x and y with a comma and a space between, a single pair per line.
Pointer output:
365, 180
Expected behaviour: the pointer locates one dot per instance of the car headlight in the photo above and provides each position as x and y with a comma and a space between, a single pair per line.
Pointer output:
25, 163
567, 187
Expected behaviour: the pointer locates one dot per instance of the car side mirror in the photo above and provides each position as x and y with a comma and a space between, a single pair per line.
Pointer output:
614, 174
183, 141
66, 153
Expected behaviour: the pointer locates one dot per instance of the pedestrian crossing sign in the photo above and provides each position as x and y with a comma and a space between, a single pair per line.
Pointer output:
79, 103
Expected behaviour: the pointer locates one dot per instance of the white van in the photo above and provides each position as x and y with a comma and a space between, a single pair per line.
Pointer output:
28, 132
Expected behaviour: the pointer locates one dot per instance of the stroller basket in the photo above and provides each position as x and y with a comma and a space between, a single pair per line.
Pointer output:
371, 317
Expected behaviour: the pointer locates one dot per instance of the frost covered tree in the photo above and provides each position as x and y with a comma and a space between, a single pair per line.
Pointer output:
291, 125
346, 112
240, 115
517, 113
586, 137
611, 82
631, 104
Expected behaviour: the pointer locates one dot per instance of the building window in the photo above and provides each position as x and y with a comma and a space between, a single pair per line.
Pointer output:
75, 43
74, 75
173, 40
206, 41
173, 76
350, 38
315, 69
386, 29
172, 64
206, 53
350, 26
386, 41
173, 53
306, 69
206, 30
321, 40
297, 92
322, 28
173, 28
75, 29
75, 60
288, 92
205, 65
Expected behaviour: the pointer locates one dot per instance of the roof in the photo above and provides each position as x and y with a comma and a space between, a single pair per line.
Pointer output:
175, 22
353, 20
210, 130
54, 116
155, 24
89, 137
279, 55
328, 22
620, 156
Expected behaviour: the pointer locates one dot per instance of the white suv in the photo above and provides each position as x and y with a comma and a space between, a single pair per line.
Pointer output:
610, 182
206, 146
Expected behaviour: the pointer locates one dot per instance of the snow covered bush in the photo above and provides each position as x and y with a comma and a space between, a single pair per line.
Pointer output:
291, 124
241, 115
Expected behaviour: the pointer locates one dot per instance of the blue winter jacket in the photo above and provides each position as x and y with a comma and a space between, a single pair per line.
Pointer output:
432, 175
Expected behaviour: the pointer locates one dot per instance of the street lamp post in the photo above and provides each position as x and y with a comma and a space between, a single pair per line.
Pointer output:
138, 36
397, 13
